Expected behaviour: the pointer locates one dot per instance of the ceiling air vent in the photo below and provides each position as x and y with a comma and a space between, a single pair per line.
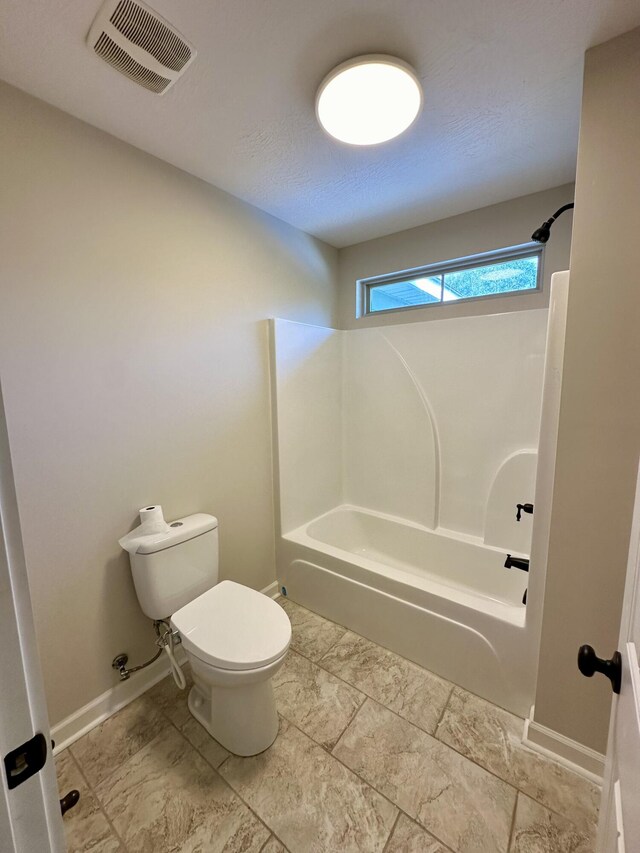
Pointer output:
140, 44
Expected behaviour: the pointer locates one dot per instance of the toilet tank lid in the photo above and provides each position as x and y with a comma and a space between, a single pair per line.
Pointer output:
180, 530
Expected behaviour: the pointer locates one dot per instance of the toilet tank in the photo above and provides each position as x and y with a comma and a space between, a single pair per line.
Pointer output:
173, 568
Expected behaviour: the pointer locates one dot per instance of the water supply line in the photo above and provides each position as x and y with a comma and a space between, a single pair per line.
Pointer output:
166, 640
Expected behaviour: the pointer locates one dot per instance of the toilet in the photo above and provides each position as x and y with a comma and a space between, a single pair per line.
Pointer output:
235, 638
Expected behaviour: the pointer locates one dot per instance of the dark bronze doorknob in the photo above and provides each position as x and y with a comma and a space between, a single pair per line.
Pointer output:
589, 663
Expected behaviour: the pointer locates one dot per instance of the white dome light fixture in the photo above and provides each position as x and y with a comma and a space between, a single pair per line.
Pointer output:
369, 99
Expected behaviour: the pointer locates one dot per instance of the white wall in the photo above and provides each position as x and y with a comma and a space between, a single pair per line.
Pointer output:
134, 362
439, 421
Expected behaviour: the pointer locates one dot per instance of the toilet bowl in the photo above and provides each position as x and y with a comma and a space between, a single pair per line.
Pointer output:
235, 639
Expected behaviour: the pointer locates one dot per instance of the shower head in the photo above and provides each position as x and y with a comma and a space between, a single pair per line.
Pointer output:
542, 234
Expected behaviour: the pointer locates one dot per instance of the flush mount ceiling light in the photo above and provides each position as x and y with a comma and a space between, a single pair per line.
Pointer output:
369, 99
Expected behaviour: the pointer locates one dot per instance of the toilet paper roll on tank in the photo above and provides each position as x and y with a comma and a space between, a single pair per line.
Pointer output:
152, 524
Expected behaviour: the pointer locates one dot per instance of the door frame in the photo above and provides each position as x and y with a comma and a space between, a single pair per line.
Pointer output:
30, 816
631, 602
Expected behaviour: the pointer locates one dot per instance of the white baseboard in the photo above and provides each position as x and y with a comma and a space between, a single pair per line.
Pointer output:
108, 703
581, 759
273, 590
102, 707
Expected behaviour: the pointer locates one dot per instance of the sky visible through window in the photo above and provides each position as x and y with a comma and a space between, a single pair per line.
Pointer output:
504, 276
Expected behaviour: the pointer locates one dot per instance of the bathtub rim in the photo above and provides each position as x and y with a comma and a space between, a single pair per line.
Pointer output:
511, 613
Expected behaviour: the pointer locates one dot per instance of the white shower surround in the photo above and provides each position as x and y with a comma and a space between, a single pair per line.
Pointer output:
397, 525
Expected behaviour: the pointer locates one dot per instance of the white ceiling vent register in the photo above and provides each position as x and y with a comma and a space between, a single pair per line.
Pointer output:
140, 44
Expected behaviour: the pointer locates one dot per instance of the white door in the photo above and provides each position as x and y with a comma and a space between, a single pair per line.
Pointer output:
619, 827
30, 818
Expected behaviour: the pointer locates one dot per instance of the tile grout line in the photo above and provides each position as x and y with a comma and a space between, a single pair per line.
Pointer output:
404, 719
353, 716
513, 824
322, 667
497, 776
252, 811
454, 686
307, 610
444, 711
401, 811
222, 763
492, 705
515, 787
393, 829
335, 642
318, 663
99, 802
222, 779
433, 734
411, 663
462, 755
144, 695
415, 725
329, 751
407, 660
350, 769
322, 746
235, 793
453, 749
362, 698
552, 810
269, 829
373, 787
352, 720
330, 755
163, 712
273, 835
373, 698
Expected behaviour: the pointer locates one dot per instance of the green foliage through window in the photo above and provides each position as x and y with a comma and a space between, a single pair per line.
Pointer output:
508, 271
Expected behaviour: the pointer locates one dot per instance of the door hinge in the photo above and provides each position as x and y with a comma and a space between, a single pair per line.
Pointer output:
24, 762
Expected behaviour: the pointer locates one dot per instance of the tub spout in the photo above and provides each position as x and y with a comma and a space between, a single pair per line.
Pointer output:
516, 563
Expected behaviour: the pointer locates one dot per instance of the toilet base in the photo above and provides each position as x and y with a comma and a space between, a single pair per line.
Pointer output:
242, 719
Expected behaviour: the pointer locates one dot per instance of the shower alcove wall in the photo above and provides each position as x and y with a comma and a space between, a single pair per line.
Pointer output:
400, 454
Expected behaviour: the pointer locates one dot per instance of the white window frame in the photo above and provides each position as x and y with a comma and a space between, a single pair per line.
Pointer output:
525, 250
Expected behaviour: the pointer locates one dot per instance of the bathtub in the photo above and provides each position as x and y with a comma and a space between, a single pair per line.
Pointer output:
440, 599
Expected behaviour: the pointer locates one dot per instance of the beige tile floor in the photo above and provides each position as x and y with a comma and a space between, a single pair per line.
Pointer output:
374, 755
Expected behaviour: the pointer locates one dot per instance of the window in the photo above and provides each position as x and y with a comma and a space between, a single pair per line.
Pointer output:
492, 274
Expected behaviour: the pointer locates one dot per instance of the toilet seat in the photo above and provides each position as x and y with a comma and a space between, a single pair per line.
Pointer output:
233, 627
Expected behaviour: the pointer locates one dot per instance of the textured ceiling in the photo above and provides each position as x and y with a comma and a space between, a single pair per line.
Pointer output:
501, 81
